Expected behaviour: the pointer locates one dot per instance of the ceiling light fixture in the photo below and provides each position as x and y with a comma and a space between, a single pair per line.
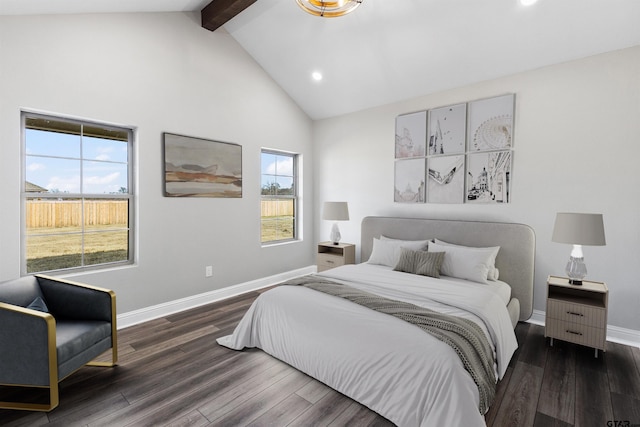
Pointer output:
316, 75
527, 2
328, 9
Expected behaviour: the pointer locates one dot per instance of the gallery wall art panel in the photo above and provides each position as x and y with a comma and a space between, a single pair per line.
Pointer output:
445, 179
491, 123
409, 181
464, 156
411, 135
196, 167
447, 130
489, 177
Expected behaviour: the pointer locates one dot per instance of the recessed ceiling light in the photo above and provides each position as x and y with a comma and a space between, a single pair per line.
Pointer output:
527, 2
316, 75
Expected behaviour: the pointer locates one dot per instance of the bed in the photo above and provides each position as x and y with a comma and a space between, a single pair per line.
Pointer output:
371, 353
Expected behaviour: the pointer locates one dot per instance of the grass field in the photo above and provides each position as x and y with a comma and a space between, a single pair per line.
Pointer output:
276, 228
48, 249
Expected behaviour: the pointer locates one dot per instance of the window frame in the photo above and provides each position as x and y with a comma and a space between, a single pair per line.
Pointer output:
295, 196
83, 196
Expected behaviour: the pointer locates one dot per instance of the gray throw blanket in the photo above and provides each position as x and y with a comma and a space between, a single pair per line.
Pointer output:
462, 335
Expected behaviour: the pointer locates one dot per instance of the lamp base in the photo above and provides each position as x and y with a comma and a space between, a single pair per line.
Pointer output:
335, 234
576, 270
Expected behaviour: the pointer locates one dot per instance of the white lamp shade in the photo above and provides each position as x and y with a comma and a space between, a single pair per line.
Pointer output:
335, 211
579, 229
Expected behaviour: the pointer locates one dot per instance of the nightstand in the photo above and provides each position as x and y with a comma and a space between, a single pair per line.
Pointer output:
330, 255
577, 314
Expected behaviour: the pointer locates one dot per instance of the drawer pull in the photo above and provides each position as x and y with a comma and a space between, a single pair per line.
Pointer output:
574, 333
330, 261
575, 314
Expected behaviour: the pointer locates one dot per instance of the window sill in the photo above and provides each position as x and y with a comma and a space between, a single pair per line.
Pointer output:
280, 243
91, 271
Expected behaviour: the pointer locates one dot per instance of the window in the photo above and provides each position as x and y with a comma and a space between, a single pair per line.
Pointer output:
279, 204
77, 194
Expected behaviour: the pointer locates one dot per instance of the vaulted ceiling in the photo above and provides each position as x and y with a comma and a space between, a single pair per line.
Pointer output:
391, 50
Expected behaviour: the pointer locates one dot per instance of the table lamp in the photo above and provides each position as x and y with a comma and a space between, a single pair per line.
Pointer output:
578, 229
335, 211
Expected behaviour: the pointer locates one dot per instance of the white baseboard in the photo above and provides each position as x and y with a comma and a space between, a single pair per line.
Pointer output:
614, 333
537, 318
156, 311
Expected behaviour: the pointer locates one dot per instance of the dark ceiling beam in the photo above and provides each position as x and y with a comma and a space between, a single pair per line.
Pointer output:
219, 12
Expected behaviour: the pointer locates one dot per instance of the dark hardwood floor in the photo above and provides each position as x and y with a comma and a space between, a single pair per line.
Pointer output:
172, 372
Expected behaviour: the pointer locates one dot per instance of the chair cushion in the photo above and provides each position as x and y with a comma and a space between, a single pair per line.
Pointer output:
73, 337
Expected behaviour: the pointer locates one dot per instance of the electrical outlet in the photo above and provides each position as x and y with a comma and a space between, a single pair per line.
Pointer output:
208, 271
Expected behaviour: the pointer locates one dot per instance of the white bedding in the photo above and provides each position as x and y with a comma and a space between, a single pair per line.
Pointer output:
392, 367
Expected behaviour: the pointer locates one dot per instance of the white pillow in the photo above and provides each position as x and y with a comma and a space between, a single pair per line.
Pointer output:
384, 252
493, 271
414, 245
463, 262
387, 251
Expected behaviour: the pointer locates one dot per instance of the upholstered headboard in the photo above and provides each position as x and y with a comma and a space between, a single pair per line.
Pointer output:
517, 243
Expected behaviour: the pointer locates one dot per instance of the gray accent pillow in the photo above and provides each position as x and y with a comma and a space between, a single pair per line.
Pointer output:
420, 262
38, 304
429, 263
406, 262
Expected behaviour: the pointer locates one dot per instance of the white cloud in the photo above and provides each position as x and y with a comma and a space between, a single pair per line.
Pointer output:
103, 152
32, 167
92, 184
68, 184
102, 180
284, 167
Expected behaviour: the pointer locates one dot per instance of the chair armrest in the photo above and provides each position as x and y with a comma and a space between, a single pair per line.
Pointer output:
27, 346
73, 300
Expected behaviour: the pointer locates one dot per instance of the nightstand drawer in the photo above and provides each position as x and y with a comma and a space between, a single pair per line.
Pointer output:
580, 314
576, 333
329, 261
331, 255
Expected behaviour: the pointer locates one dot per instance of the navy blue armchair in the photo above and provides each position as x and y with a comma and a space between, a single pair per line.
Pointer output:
49, 328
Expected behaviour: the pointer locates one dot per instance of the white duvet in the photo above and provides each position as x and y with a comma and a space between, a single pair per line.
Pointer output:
388, 365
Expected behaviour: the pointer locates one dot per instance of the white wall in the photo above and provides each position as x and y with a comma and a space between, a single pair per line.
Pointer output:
577, 149
160, 73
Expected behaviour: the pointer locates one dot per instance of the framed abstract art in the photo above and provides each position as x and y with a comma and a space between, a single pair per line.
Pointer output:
196, 167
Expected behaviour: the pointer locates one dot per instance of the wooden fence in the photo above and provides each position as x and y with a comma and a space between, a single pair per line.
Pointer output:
276, 208
69, 213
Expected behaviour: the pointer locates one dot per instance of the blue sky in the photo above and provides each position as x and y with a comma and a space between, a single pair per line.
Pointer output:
55, 161
273, 164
